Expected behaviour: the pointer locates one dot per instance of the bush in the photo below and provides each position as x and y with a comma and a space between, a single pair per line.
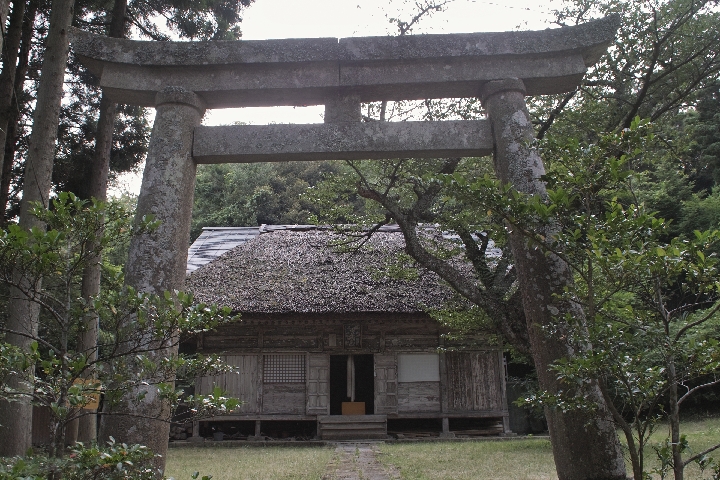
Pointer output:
116, 461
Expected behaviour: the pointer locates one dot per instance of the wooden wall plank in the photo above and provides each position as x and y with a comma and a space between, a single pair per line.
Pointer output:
474, 381
243, 384
420, 397
298, 342
220, 342
207, 384
412, 341
286, 398
443, 383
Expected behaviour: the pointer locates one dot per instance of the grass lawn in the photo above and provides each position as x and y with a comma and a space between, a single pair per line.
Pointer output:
516, 459
251, 463
519, 459
529, 459
700, 433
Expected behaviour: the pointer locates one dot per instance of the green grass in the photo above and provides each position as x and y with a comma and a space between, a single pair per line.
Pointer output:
701, 434
516, 459
520, 459
529, 459
251, 463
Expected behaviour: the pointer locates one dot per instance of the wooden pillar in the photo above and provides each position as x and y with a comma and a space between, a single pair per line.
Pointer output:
503, 390
442, 365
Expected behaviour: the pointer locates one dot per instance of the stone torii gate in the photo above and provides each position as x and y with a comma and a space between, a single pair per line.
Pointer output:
182, 79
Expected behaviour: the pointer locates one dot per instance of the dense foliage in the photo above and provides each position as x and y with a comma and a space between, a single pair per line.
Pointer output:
244, 195
197, 20
112, 462
136, 328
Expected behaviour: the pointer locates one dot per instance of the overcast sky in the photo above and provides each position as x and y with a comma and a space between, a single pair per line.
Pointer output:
355, 18
344, 18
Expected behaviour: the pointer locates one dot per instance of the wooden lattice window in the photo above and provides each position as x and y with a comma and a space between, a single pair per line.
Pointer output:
284, 369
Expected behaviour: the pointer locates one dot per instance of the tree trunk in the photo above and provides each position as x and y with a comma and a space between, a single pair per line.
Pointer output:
16, 417
87, 428
4, 9
14, 112
7, 78
585, 446
678, 466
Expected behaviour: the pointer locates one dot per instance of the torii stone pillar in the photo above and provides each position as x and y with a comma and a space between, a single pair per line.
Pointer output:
541, 277
157, 260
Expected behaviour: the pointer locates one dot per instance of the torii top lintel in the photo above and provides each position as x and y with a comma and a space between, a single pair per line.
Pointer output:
312, 71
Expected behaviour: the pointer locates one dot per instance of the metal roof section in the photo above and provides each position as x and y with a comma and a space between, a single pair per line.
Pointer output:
214, 241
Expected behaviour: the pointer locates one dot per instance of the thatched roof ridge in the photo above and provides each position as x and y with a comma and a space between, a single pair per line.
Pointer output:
301, 271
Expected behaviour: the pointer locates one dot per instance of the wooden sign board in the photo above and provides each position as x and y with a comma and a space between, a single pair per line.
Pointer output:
92, 397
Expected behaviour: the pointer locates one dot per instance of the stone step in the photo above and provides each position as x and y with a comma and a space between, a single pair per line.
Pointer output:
351, 427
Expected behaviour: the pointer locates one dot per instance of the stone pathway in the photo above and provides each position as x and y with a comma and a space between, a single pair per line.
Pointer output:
358, 461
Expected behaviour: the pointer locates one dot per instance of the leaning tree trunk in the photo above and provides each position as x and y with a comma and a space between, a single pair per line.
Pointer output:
98, 183
585, 445
22, 321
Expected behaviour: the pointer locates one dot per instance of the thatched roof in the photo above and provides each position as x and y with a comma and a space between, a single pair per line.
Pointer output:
301, 271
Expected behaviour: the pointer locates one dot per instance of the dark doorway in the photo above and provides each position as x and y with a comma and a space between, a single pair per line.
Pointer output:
364, 382
338, 383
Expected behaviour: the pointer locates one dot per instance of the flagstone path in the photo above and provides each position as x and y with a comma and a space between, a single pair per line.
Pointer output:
358, 461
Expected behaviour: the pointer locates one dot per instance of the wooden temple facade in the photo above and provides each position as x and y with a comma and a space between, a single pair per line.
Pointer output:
355, 365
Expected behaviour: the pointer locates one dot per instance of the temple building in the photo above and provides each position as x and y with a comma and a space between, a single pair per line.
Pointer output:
336, 340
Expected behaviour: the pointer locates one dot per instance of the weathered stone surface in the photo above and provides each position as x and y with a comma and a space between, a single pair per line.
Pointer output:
315, 71
589, 38
343, 108
241, 85
342, 141
458, 77
156, 260
97, 48
585, 445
